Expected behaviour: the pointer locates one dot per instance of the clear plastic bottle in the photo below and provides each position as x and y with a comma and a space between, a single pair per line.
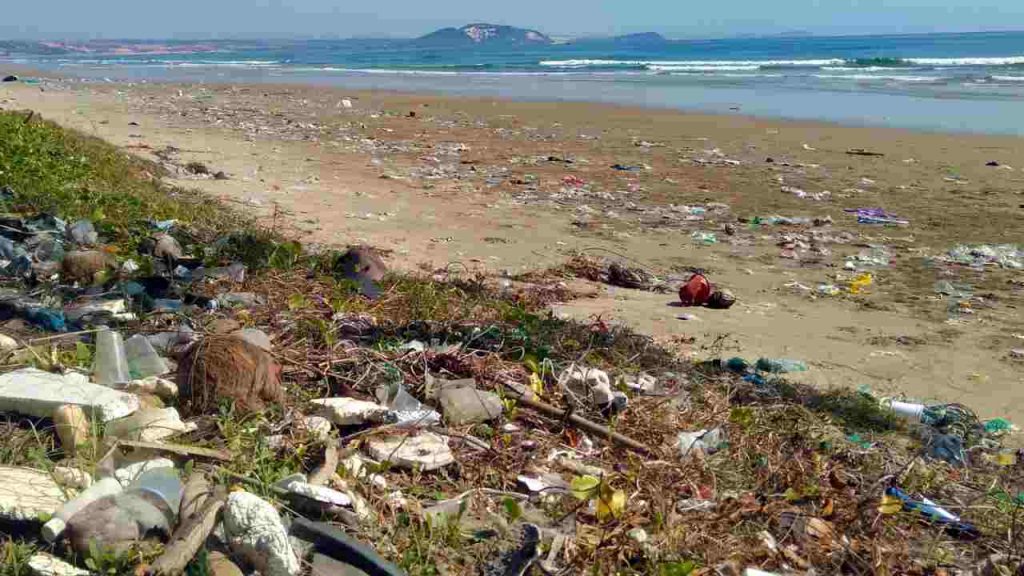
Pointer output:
111, 365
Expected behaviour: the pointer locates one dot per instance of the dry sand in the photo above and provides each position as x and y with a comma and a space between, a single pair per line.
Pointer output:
479, 184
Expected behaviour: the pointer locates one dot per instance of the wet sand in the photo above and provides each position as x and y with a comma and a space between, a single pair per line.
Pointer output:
509, 187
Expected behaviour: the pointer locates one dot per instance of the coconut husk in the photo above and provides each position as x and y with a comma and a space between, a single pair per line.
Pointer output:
83, 265
220, 368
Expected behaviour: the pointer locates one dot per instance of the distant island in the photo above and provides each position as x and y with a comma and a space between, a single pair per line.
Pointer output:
639, 40
484, 35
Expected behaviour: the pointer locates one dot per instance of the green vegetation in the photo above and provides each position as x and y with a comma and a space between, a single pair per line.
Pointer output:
71, 175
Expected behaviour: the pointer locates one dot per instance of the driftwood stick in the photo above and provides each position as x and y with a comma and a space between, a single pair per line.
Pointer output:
323, 473
581, 422
179, 449
189, 538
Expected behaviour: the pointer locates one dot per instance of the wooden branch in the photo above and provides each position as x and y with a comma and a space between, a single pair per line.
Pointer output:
179, 449
580, 422
190, 537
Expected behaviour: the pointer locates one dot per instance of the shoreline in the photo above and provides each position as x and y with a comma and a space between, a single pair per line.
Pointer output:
405, 85
470, 180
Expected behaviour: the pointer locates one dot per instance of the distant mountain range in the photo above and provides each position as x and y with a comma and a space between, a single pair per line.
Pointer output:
484, 34
471, 36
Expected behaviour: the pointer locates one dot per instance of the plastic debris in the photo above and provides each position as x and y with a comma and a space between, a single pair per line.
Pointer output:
43, 564
409, 411
980, 255
877, 216
468, 405
36, 393
132, 472
142, 359
931, 512
352, 412
425, 451
704, 238
780, 365
700, 443
26, 495
150, 425
255, 532
111, 364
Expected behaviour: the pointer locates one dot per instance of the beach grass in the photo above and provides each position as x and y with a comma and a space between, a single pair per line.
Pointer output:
50, 169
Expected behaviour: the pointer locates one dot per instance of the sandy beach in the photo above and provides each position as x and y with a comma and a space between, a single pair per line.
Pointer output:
505, 188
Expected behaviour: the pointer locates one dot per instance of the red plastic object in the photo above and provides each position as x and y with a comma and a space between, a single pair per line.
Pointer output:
696, 291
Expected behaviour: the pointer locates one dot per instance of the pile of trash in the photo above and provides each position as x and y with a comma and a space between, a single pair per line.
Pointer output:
229, 404
1007, 256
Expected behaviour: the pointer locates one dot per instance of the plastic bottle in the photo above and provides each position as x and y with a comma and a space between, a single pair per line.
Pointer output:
780, 365
910, 410
143, 361
56, 525
111, 366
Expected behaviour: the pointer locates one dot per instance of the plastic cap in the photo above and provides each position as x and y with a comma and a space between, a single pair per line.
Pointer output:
53, 529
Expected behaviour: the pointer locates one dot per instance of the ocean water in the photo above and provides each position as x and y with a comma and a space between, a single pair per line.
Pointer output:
942, 82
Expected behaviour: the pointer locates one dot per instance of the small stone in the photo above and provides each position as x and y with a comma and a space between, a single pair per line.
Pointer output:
72, 477
221, 565
155, 385
254, 531
8, 344
72, 428
1017, 353
638, 535
317, 426
167, 247
43, 564
424, 451
224, 326
27, 494
327, 565
469, 405
255, 337
352, 412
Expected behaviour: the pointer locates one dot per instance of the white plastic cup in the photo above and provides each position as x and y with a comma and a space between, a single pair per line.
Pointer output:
111, 367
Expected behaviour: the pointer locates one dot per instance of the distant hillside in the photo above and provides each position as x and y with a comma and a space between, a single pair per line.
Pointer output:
483, 35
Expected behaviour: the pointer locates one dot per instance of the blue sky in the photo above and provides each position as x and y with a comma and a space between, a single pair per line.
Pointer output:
383, 18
